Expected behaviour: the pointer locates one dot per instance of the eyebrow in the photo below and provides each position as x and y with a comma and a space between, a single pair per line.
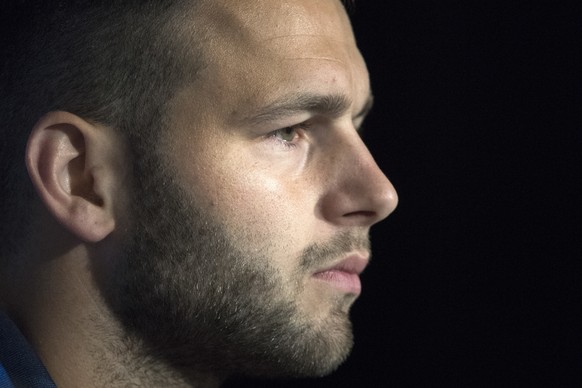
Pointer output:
332, 105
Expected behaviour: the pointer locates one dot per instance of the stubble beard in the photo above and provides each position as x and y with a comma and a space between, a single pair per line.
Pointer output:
199, 301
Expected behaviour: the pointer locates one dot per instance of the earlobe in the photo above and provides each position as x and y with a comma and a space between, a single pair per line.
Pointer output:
67, 161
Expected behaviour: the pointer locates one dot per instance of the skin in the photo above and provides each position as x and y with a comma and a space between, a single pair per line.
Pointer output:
327, 182
279, 190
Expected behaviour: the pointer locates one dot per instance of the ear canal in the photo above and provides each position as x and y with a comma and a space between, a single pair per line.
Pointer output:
84, 183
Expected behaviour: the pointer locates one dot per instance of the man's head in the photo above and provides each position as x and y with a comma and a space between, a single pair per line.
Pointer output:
220, 188
114, 63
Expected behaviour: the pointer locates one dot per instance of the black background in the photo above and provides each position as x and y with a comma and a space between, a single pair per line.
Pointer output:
476, 276
475, 280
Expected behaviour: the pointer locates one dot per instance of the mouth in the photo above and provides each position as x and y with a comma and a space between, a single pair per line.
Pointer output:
345, 275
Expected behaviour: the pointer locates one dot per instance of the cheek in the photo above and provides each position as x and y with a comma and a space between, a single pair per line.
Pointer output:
255, 201
267, 213
262, 206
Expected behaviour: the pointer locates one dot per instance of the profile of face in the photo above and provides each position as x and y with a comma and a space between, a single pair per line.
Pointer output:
249, 220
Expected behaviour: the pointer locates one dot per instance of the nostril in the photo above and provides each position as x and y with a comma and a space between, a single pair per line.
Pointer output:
361, 218
363, 213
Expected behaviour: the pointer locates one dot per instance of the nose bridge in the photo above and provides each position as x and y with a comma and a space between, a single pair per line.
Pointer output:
360, 189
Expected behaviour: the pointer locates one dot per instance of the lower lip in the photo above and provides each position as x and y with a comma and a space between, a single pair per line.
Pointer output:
344, 281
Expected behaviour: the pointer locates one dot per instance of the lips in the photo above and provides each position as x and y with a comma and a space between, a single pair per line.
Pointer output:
345, 275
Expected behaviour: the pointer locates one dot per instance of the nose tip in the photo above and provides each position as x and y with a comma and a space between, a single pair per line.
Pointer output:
388, 198
378, 196
360, 193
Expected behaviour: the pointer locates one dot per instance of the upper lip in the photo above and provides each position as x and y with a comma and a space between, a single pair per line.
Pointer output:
354, 263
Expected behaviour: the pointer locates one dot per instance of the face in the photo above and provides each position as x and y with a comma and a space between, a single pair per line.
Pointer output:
251, 220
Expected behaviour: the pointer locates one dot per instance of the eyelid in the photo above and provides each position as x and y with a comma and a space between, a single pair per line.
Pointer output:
304, 125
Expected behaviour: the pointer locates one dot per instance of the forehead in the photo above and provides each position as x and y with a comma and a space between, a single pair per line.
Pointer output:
274, 28
265, 19
257, 50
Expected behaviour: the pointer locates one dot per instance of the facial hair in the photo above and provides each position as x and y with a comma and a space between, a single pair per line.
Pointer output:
202, 300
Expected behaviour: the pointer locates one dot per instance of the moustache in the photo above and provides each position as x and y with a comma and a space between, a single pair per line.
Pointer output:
318, 254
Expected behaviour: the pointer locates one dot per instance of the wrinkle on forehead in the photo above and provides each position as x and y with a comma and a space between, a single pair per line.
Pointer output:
258, 50
316, 58
254, 22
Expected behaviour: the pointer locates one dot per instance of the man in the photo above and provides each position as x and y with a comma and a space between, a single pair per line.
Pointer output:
196, 198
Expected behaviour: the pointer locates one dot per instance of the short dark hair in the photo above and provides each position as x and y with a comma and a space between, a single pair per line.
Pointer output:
114, 62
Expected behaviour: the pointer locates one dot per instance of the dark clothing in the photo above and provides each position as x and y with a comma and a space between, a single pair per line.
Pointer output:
20, 367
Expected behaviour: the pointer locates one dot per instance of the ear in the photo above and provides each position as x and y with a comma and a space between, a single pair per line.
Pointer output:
73, 166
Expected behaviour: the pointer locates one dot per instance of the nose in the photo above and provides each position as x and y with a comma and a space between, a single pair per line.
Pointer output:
357, 193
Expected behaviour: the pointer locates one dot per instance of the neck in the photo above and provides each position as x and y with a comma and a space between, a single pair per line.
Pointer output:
125, 361
60, 311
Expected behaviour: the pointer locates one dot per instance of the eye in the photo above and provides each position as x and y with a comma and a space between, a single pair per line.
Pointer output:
289, 137
287, 134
